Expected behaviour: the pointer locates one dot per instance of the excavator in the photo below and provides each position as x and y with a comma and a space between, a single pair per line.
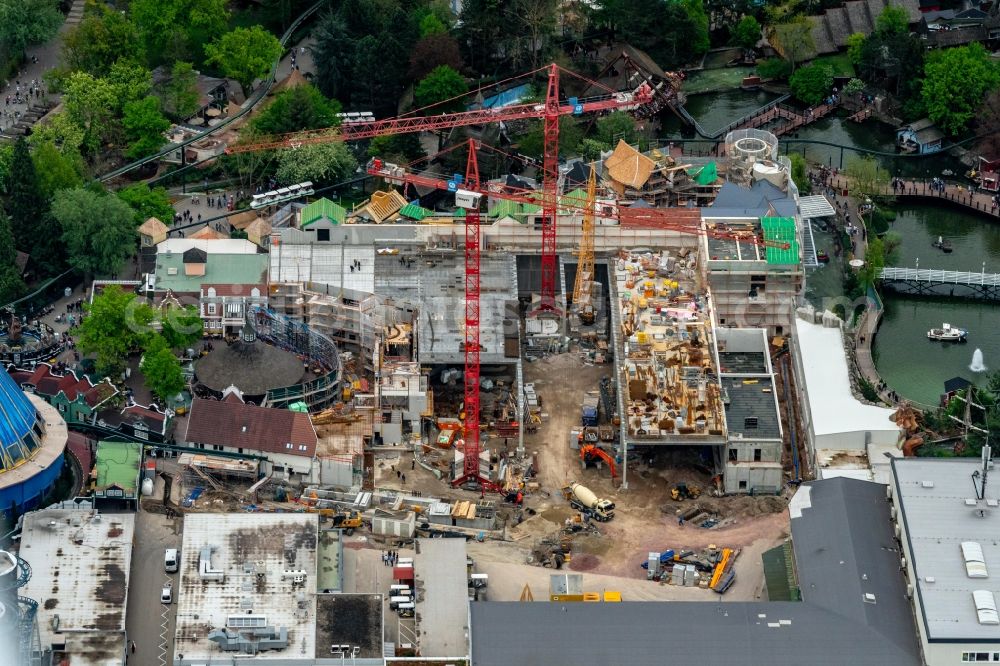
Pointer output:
683, 491
588, 453
341, 521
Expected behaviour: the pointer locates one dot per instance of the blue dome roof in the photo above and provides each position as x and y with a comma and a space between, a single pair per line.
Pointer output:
17, 418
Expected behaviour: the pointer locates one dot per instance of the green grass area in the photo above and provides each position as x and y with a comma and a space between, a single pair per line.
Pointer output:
840, 63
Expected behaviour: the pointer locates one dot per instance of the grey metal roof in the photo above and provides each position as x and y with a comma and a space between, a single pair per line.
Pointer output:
838, 537
754, 400
743, 362
816, 205
937, 520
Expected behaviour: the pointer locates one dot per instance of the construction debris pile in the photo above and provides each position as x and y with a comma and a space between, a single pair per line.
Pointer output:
711, 568
669, 366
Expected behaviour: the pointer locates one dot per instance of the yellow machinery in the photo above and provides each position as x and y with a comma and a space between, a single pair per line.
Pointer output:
585, 268
683, 491
341, 521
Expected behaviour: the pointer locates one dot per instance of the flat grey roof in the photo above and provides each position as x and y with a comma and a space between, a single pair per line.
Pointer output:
937, 520
841, 532
80, 562
742, 362
443, 597
751, 401
247, 544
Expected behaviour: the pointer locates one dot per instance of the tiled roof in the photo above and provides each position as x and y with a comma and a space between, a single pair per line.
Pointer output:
47, 383
235, 424
208, 233
322, 209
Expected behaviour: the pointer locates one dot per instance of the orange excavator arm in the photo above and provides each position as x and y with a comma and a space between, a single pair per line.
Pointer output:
590, 451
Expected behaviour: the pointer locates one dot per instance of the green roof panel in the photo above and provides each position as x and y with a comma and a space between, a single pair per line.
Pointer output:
323, 209
782, 230
414, 212
117, 464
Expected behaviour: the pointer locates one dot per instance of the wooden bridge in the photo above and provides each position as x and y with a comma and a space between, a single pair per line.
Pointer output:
930, 282
769, 113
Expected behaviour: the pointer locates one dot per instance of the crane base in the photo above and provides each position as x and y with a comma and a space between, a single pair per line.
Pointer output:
477, 480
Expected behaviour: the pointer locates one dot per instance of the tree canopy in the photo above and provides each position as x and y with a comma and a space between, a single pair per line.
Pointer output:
245, 54
103, 37
147, 202
300, 108
319, 163
144, 126
56, 170
117, 324
180, 328
180, 93
174, 29
865, 177
747, 32
794, 39
27, 22
98, 228
11, 285
439, 88
434, 50
161, 370
26, 204
672, 32
893, 20
956, 82
812, 83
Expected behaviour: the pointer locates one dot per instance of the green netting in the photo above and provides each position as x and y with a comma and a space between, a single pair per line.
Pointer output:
707, 175
782, 230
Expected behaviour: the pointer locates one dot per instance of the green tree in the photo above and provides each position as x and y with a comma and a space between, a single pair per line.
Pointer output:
131, 82
59, 130
672, 32
103, 37
161, 369
855, 47
430, 24
6, 163
27, 22
297, 109
180, 93
956, 83
616, 125
537, 22
383, 60
404, 148
26, 204
320, 163
245, 54
812, 83
440, 87
56, 170
570, 136
747, 32
794, 40
800, 175
332, 52
774, 68
173, 29
180, 328
874, 261
147, 202
893, 21
98, 229
90, 103
866, 178
854, 87
11, 284
144, 126
117, 324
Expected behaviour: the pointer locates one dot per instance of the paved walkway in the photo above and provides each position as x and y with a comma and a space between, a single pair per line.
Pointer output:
47, 56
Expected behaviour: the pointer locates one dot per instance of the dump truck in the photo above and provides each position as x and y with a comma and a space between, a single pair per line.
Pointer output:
584, 499
589, 410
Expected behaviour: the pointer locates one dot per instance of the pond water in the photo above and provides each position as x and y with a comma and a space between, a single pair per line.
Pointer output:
716, 110
910, 363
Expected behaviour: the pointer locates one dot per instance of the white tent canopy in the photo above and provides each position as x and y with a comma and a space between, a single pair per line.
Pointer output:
815, 206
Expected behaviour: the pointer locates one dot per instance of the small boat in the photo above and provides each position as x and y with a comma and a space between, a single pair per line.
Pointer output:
823, 257
948, 333
943, 245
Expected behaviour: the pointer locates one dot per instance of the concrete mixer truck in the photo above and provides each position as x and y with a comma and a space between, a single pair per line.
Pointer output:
582, 498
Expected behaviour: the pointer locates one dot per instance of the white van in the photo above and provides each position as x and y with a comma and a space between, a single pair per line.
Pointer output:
399, 590
171, 560
396, 602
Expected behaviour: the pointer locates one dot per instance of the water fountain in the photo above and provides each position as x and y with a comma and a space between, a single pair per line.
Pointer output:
977, 366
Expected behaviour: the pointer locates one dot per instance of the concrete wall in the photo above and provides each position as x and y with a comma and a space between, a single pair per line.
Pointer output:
763, 477
770, 450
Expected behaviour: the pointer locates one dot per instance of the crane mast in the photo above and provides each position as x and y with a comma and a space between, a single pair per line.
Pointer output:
585, 266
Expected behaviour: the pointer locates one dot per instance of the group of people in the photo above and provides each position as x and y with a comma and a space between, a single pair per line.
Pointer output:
221, 200
390, 557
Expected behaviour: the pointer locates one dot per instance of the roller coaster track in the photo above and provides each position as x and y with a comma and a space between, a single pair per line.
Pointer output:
248, 106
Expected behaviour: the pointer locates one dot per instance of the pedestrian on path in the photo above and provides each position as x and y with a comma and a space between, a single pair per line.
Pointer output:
132, 647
